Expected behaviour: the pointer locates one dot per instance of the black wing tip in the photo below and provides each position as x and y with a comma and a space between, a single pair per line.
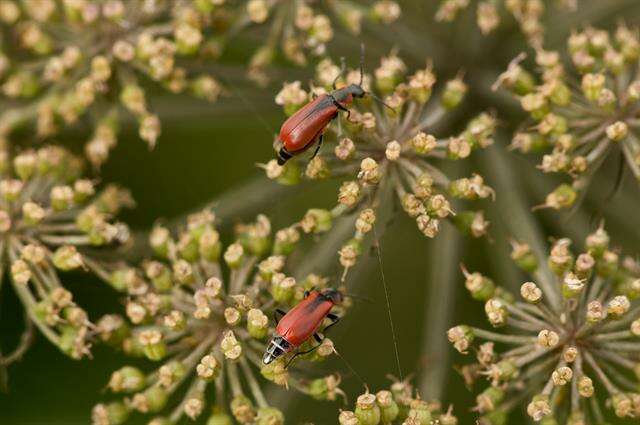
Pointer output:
283, 156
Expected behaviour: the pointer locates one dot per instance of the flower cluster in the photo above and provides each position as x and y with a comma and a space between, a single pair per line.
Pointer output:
528, 13
203, 313
53, 221
300, 27
397, 405
390, 155
584, 114
65, 60
570, 342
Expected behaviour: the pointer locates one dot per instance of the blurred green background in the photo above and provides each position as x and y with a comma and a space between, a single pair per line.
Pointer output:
209, 152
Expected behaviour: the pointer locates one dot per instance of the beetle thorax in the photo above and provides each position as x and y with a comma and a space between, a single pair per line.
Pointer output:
345, 95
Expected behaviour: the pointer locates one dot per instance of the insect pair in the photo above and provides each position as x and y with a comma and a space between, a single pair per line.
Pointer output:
307, 126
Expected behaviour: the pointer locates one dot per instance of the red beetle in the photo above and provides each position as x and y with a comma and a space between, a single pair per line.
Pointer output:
302, 322
301, 130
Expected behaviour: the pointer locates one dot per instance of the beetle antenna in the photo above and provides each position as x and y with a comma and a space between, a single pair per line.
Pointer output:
381, 101
358, 297
343, 68
361, 64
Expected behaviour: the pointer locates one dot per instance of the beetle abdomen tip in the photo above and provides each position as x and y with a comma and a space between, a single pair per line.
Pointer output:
283, 156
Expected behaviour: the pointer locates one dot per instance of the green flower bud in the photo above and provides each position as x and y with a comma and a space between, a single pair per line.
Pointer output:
283, 288
592, 86
525, 83
127, 379
208, 368
183, 272
561, 94
270, 266
188, 248
420, 412
317, 221
481, 287
243, 410
70, 340
156, 398
20, 272
471, 223
572, 286
276, 372
564, 196
461, 337
536, 105
597, 242
133, 98
318, 389
453, 94
288, 174
607, 265
67, 258
61, 198
234, 255
210, 246
389, 409
347, 417
120, 279
258, 245
160, 276
219, 418
505, 370
630, 287
115, 413
539, 407
269, 416
25, 165
132, 347
367, 410
285, 241
489, 399
154, 347
524, 257
257, 324
159, 240
112, 329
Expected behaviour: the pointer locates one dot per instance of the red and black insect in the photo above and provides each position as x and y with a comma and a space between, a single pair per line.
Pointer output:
301, 130
302, 322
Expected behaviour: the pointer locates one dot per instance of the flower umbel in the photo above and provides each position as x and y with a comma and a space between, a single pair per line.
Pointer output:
71, 60
390, 155
53, 221
583, 114
203, 312
570, 342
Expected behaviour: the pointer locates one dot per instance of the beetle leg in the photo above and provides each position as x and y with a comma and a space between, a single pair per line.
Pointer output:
320, 139
342, 108
276, 313
308, 291
334, 319
317, 337
301, 353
